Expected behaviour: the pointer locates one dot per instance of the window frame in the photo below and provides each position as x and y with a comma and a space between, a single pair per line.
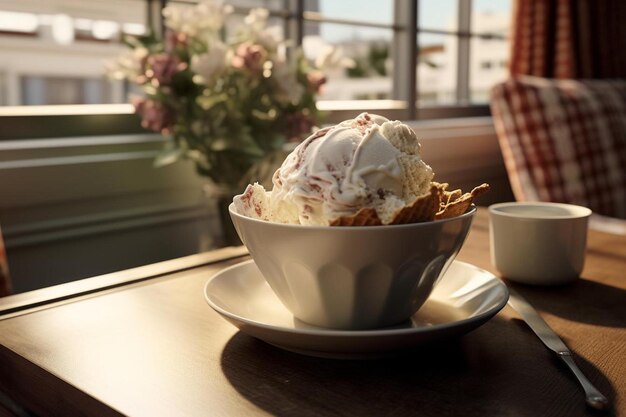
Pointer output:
405, 83
404, 103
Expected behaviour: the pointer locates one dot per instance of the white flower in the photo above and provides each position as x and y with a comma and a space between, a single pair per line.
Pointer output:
128, 65
332, 57
256, 20
255, 29
270, 38
206, 18
209, 64
289, 90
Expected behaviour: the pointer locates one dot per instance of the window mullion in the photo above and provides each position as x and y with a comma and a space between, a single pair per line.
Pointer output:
287, 19
156, 23
296, 21
405, 54
463, 57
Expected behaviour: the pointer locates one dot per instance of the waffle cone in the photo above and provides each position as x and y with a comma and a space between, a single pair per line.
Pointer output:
438, 204
454, 203
422, 209
364, 217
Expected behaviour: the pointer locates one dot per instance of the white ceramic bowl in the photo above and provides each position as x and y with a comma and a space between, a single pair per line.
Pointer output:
353, 277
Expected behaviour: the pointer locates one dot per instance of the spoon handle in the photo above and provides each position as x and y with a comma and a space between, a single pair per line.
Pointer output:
594, 398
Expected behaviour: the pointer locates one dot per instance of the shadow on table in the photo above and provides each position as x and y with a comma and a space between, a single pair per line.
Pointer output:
582, 301
495, 370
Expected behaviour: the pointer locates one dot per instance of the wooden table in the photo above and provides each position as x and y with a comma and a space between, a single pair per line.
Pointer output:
143, 342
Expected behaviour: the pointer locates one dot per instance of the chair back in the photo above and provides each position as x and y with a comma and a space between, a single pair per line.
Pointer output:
564, 140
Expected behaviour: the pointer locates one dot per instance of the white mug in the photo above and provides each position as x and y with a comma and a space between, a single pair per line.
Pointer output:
538, 243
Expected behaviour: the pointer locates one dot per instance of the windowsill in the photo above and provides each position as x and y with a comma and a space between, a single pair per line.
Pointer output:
331, 106
66, 110
62, 121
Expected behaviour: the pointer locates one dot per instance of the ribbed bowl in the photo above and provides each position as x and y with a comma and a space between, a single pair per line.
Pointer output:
353, 277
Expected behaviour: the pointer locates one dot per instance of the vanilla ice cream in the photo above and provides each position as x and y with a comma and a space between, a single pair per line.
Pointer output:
366, 162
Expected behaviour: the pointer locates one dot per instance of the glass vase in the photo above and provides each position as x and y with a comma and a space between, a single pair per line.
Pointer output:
218, 198
220, 195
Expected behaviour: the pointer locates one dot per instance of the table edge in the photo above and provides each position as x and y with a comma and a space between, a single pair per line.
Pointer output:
24, 301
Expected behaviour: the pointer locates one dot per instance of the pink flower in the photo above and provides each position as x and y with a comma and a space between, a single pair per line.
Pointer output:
249, 56
163, 67
175, 39
316, 80
298, 125
154, 115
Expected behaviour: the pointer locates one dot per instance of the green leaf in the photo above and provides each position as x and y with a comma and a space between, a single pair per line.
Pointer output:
146, 41
242, 144
269, 115
275, 141
208, 102
167, 157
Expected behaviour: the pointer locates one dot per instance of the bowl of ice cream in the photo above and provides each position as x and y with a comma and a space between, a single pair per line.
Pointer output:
354, 234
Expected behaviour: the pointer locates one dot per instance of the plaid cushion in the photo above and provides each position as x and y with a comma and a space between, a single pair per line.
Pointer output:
564, 140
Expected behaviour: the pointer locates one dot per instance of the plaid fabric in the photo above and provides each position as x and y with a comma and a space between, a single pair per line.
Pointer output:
564, 140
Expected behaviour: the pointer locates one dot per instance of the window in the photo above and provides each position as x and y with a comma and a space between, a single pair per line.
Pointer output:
42, 90
363, 32
53, 52
459, 51
490, 21
409, 59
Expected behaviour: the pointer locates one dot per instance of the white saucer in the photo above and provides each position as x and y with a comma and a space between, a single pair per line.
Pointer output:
465, 298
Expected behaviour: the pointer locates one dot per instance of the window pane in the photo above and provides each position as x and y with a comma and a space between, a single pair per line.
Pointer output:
436, 69
368, 48
491, 16
64, 90
438, 15
363, 10
236, 20
244, 4
488, 65
489, 56
53, 57
267, 4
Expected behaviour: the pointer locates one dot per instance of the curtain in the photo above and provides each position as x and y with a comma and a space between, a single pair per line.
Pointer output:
569, 38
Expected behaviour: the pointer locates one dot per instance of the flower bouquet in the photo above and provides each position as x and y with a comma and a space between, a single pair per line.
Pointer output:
231, 102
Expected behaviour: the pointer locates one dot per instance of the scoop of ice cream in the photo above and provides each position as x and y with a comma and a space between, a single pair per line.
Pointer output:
368, 161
